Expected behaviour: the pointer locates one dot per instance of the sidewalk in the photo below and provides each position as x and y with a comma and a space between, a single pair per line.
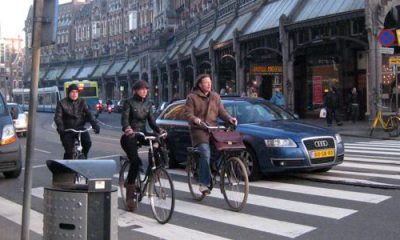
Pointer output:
358, 129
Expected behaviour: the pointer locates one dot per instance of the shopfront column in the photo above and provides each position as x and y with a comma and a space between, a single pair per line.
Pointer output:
287, 64
240, 84
169, 75
194, 63
214, 73
160, 84
180, 76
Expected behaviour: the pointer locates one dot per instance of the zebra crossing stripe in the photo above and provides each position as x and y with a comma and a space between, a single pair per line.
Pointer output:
389, 176
302, 189
346, 180
371, 166
166, 231
283, 204
13, 212
323, 192
372, 152
286, 229
371, 160
385, 149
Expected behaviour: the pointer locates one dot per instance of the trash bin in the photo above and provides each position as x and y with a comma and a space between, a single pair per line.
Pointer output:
85, 209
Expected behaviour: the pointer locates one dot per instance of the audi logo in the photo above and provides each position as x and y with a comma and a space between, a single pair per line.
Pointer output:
321, 144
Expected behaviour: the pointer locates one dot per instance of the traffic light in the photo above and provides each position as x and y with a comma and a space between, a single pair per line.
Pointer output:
49, 24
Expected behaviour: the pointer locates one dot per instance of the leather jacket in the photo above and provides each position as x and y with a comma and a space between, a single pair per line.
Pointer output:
136, 110
73, 114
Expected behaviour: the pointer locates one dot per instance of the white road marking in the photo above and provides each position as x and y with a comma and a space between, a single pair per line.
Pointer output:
391, 153
371, 166
370, 159
323, 192
13, 212
389, 176
344, 179
283, 204
382, 149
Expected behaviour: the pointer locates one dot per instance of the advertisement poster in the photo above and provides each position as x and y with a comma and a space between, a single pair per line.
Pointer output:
317, 90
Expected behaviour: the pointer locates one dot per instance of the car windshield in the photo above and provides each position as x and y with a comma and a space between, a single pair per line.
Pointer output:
251, 112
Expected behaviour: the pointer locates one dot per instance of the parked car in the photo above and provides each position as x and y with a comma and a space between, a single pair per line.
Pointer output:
10, 149
276, 140
119, 105
20, 120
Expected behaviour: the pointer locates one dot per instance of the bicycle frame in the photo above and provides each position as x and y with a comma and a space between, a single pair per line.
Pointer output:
78, 149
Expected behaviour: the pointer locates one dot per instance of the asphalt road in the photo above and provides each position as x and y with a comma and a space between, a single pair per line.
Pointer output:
356, 200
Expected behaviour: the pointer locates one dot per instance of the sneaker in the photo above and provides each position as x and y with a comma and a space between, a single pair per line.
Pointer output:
204, 190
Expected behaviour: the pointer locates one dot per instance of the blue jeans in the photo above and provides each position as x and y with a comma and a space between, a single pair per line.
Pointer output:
204, 164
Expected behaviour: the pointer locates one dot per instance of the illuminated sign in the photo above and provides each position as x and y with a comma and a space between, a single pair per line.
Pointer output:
267, 69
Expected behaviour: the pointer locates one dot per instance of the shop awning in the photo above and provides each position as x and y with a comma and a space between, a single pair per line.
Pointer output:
70, 72
129, 66
86, 71
182, 48
115, 68
42, 73
100, 70
215, 34
54, 73
321, 8
199, 40
172, 53
238, 24
268, 16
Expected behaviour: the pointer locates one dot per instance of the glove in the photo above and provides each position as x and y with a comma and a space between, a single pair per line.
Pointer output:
96, 129
60, 131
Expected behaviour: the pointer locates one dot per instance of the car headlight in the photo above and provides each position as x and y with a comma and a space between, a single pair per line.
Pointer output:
338, 138
8, 135
280, 142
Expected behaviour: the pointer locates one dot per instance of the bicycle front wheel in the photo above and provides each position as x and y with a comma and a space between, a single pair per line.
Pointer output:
235, 183
123, 173
162, 197
393, 127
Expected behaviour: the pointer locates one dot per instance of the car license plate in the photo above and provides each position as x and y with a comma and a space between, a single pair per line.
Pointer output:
330, 152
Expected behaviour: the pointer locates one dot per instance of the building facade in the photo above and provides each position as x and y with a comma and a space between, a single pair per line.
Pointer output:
248, 46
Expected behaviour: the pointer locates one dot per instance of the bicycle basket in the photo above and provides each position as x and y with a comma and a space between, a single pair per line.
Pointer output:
227, 140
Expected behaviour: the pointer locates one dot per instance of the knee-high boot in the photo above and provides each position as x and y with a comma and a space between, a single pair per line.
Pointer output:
131, 197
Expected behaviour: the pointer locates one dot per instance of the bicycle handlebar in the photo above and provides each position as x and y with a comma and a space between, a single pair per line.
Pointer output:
209, 127
150, 137
77, 131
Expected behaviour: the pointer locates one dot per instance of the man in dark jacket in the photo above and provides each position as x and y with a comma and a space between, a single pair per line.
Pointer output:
204, 105
73, 112
332, 104
136, 111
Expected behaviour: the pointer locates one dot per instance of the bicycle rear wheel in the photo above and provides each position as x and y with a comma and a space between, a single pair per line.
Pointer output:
162, 197
235, 183
193, 177
393, 126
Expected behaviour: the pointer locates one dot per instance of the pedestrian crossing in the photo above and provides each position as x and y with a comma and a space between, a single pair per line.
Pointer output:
274, 206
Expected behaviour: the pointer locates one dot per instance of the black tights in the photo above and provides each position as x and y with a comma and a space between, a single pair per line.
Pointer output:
130, 146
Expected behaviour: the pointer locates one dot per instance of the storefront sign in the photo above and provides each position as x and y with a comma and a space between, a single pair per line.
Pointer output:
395, 60
266, 69
386, 50
317, 90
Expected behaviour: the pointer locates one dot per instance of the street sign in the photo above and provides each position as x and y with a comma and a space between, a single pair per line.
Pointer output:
394, 60
386, 50
386, 37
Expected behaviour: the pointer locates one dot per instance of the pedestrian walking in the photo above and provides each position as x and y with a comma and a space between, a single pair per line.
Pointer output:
354, 105
331, 104
278, 98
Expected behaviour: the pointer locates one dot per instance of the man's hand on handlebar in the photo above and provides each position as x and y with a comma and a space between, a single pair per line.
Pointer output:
96, 129
233, 121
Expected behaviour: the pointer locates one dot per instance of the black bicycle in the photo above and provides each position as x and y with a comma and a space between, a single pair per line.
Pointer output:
78, 154
232, 172
156, 183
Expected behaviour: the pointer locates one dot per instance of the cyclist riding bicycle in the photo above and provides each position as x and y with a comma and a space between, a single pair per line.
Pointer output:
136, 111
204, 105
73, 112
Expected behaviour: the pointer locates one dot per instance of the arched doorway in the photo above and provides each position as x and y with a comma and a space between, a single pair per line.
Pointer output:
264, 68
188, 83
145, 76
204, 67
175, 84
123, 89
110, 86
227, 75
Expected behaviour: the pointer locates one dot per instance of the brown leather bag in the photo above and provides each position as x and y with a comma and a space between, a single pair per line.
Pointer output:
227, 140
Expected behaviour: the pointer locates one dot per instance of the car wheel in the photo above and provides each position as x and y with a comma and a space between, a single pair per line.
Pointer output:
250, 159
12, 174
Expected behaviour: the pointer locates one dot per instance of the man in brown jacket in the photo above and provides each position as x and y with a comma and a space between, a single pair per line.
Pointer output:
204, 105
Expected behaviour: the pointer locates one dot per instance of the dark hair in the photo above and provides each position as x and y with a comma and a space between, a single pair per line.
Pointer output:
199, 79
140, 84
